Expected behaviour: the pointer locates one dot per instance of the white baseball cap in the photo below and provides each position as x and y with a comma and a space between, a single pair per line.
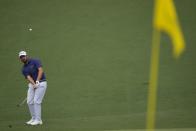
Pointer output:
22, 53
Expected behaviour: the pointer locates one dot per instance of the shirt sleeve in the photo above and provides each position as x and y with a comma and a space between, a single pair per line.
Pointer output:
37, 63
25, 73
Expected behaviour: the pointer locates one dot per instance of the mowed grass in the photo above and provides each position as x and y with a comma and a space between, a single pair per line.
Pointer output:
96, 55
177, 129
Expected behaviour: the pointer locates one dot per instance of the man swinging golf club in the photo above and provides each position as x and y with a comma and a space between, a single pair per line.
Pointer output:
33, 72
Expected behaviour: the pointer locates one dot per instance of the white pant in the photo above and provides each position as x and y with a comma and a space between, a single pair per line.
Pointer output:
34, 99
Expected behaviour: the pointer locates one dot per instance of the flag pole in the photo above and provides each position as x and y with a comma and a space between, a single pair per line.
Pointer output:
153, 82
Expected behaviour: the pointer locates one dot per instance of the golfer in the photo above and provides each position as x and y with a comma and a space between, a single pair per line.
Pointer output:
33, 72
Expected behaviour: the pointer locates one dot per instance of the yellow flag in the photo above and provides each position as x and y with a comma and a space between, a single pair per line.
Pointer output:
165, 19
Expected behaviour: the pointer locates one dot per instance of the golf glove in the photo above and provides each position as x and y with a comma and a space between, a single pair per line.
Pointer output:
36, 84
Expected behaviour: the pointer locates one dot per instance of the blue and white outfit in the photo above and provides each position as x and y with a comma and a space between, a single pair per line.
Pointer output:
34, 95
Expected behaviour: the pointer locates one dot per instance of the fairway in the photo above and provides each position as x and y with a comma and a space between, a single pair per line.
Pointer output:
185, 129
96, 56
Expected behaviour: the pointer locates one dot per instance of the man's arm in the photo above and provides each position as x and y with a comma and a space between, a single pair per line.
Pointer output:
40, 73
30, 79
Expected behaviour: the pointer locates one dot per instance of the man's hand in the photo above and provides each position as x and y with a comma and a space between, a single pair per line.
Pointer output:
36, 84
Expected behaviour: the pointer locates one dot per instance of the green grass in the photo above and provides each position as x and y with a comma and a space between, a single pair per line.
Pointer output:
96, 55
177, 129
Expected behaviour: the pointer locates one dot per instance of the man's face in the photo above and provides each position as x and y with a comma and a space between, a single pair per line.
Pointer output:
23, 59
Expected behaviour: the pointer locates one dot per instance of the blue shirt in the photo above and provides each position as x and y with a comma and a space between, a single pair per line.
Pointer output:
31, 68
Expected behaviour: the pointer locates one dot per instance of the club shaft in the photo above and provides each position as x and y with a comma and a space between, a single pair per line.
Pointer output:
23, 102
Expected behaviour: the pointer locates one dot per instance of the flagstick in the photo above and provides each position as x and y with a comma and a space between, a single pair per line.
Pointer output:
152, 90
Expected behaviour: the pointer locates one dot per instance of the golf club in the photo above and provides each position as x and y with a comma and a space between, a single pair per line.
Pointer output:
22, 103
